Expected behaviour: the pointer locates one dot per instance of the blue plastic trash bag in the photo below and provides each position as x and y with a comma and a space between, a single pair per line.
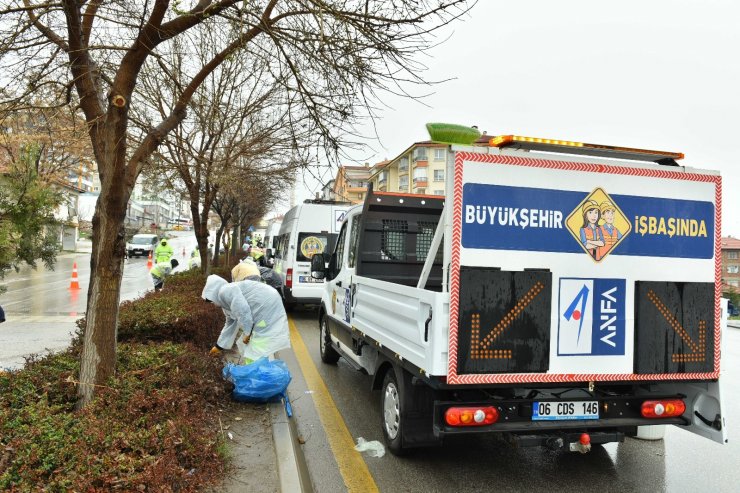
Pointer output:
261, 381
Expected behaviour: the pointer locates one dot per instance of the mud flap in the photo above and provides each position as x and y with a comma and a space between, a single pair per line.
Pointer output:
703, 408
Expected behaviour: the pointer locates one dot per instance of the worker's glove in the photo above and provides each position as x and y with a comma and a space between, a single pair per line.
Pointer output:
215, 351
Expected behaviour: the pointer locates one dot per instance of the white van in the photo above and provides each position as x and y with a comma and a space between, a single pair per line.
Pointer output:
271, 238
307, 229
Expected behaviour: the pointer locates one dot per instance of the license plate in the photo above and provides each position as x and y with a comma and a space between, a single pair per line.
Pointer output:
309, 279
564, 410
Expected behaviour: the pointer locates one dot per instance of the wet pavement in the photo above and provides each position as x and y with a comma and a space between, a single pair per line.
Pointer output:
41, 309
680, 462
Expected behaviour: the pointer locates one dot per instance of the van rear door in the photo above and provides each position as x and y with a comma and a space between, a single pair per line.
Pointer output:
310, 243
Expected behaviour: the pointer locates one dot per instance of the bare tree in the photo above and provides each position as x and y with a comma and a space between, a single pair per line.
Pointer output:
238, 115
245, 195
331, 55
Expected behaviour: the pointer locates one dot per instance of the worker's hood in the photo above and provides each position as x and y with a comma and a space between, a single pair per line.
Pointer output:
213, 285
164, 242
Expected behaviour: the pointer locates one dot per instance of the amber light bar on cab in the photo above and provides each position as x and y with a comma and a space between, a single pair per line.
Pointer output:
571, 147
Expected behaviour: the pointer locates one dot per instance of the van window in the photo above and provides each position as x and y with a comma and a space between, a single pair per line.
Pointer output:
393, 241
281, 245
354, 235
312, 243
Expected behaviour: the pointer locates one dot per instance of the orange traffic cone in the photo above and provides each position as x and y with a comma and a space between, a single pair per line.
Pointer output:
149, 262
74, 284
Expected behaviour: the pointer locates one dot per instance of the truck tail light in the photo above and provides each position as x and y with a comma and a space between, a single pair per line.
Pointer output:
471, 416
667, 408
289, 278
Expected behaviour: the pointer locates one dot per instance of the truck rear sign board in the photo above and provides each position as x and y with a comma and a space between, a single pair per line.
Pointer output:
626, 258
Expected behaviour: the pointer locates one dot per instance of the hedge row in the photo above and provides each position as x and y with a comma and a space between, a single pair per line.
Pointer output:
153, 427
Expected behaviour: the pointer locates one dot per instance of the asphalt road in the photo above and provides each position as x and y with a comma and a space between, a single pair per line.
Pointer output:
41, 309
680, 462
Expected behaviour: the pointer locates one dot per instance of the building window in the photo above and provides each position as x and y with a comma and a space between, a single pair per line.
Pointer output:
420, 154
732, 255
420, 174
404, 164
733, 269
403, 182
439, 192
439, 175
734, 284
439, 154
382, 176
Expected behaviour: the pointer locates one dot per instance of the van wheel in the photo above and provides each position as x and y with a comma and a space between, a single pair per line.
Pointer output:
329, 355
392, 406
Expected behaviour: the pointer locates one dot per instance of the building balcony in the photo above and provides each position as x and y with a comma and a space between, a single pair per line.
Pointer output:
421, 164
420, 182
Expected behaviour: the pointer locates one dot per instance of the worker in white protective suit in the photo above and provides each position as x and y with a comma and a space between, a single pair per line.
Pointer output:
253, 307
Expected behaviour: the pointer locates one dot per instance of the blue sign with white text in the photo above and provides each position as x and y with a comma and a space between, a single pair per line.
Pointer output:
533, 219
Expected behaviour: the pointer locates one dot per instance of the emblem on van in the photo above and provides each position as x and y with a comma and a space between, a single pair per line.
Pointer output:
598, 224
311, 245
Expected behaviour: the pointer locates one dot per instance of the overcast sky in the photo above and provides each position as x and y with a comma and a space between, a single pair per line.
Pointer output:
658, 74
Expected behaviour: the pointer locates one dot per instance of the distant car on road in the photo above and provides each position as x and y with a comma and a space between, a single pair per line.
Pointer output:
142, 244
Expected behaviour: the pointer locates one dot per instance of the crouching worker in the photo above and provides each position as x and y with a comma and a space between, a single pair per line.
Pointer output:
162, 270
245, 270
255, 308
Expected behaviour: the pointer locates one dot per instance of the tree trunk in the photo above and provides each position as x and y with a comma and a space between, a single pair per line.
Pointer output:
98, 361
216, 246
200, 227
236, 243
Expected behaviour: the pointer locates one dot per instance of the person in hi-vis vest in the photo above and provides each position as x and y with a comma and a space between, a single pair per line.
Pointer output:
591, 235
609, 232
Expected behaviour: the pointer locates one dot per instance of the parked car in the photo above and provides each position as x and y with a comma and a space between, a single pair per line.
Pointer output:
142, 244
732, 310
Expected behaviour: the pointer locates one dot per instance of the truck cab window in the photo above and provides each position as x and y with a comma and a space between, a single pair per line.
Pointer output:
424, 241
339, 251
393, 242
354, 235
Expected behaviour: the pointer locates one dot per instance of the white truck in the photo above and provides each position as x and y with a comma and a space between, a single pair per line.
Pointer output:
551, 295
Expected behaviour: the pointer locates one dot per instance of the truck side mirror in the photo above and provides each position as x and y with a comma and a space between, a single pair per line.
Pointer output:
318, 266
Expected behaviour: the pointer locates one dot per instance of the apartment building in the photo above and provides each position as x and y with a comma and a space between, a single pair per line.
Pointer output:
419, 169
350, 184
731, 264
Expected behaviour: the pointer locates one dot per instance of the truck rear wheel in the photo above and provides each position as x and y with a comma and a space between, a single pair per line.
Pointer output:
329, 355
391, 407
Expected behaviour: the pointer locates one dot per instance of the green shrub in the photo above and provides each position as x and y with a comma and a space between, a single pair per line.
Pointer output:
154, 426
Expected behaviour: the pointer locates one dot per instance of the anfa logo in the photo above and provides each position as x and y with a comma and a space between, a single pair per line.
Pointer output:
591, 317
598, 224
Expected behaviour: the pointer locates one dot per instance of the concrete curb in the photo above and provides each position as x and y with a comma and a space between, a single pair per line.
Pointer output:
291, 464
734, 323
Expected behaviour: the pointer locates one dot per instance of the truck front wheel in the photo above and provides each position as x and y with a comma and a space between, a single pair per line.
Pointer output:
329, 355
392, 405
